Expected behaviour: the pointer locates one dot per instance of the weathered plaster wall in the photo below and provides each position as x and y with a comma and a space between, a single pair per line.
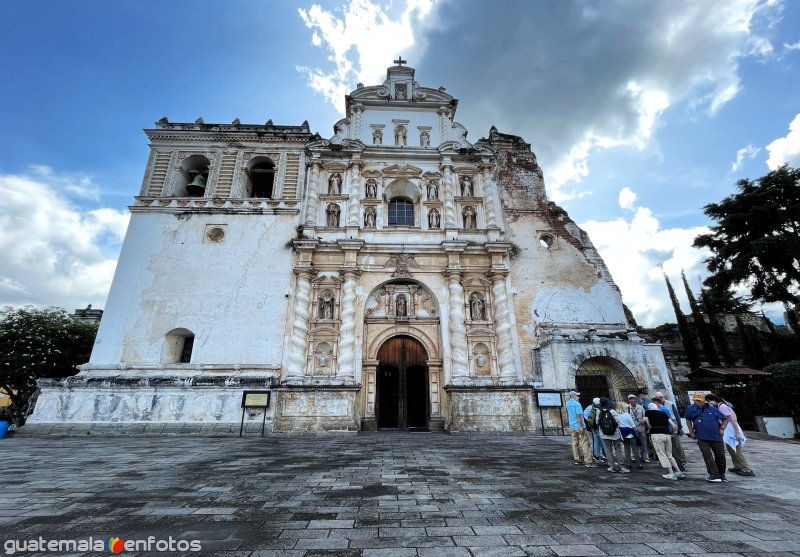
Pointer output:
232, 295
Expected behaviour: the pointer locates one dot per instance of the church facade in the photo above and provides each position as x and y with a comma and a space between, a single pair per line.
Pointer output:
393, 276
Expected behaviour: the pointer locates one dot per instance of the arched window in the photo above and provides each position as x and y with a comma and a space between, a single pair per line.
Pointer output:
178, 345
261, 174
401, 212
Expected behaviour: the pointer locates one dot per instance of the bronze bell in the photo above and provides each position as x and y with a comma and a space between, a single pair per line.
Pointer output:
198, 186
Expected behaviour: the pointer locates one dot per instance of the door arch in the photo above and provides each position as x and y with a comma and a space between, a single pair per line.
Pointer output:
402, 385
603, 376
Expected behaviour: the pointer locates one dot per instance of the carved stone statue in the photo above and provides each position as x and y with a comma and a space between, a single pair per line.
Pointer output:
377, 136
335, 184
466, 187
372, 188
333, 215
433, 189
476, 308
400, 92
469, 218
400, 136
424, 139
326, 306
402, 306
369, 218
434, 219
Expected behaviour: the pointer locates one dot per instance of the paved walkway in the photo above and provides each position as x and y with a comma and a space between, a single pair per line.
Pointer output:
390, 495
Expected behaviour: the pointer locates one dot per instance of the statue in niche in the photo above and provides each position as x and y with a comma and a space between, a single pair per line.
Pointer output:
400, 92
372, 188
402, 306
326, 306
377, 136
466, 187
434, 219
333, 215
433, 189
369, 218
476, 309
469, 218
335, 184
424, 139
400, 136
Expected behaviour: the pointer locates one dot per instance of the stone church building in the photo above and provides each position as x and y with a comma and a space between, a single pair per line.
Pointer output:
392, 276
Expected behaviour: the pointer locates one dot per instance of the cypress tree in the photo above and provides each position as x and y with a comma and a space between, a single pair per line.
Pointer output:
720, 336
683, 328
700, 324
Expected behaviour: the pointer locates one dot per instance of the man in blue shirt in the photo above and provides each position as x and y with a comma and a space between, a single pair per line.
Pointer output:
707, 424
577, 429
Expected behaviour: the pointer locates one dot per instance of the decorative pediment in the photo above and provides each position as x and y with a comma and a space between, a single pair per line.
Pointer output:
371, 173
402, 170
325, 280
432, 175
476, 282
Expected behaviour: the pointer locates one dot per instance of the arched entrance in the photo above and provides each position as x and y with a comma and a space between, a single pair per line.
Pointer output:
402, 385
603, 376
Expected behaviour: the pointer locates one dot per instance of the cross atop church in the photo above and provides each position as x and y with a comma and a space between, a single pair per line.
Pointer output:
400, 61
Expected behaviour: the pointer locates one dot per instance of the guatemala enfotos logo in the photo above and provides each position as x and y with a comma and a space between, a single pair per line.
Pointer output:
112, 545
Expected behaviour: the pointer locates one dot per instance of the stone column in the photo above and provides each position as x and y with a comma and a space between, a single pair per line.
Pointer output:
450, 217
487, 189
458, 333
355, 193
347, 330
444, 123
312, 209
502, 324
434, 380
295, 367
370, 384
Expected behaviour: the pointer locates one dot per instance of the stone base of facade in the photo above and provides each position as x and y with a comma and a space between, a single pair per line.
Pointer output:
485, 409
316, 408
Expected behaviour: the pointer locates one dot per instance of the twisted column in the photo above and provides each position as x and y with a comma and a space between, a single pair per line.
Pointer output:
355, 194
347, 330
489, 197
450, 218
502, 324
298, 347
312, 209
458, 333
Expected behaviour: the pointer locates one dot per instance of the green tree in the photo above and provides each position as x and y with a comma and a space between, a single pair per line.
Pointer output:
700, 325
781, 390
37, 343
756, 241
683, 328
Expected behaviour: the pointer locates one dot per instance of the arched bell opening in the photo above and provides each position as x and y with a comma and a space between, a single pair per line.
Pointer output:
192, 176
260, 177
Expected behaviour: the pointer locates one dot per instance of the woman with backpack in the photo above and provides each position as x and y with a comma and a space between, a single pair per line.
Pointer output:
630, 437
608, 426
658, 424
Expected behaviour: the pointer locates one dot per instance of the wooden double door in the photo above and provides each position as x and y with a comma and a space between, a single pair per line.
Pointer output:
402, 385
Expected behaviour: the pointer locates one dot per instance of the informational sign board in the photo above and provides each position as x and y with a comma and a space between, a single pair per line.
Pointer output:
549, 399
255, 399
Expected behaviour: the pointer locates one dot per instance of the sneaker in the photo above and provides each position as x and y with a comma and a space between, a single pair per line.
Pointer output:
646, 460
681, 476
748, 473
611, 469
734, 470
724, 479
578, 463
590, 465
713, 479
624, 470
670, 477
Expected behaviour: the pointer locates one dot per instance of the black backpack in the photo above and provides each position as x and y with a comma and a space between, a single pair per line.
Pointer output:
608, 425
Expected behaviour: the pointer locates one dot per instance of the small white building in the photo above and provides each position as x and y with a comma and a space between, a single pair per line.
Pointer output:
395, 275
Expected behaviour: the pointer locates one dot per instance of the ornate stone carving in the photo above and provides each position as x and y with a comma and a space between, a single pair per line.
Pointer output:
401, 306
505, 350
347, 364
371, 188
424, 139
470, 221
476, 307
401, 263
335, 184
332, 213
458, 337
400, 135
369, 217
326, 305
377, 136
433, 189
467, 189
299, 341
434, 220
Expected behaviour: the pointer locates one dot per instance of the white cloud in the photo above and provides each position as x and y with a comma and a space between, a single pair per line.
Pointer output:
627, 198
52, 252
634, 249
749, 152
361, 44
786, 150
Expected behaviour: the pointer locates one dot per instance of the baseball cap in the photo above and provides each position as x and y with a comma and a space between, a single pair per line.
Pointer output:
699, 396
596, 400
630, 396
573, 393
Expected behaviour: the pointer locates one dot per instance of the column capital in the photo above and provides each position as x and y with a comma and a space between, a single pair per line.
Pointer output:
350, 245
350, 272
453, 274
305, 272
356, 163
497, 274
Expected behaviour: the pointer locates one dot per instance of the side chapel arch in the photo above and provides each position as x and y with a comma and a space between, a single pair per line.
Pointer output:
603, 373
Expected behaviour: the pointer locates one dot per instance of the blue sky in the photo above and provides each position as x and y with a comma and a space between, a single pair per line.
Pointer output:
636, 111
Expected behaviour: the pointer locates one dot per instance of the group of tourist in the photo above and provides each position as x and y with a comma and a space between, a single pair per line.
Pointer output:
622, 435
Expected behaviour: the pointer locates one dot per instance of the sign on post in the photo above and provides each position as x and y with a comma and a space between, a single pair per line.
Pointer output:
255, 399
550, 399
